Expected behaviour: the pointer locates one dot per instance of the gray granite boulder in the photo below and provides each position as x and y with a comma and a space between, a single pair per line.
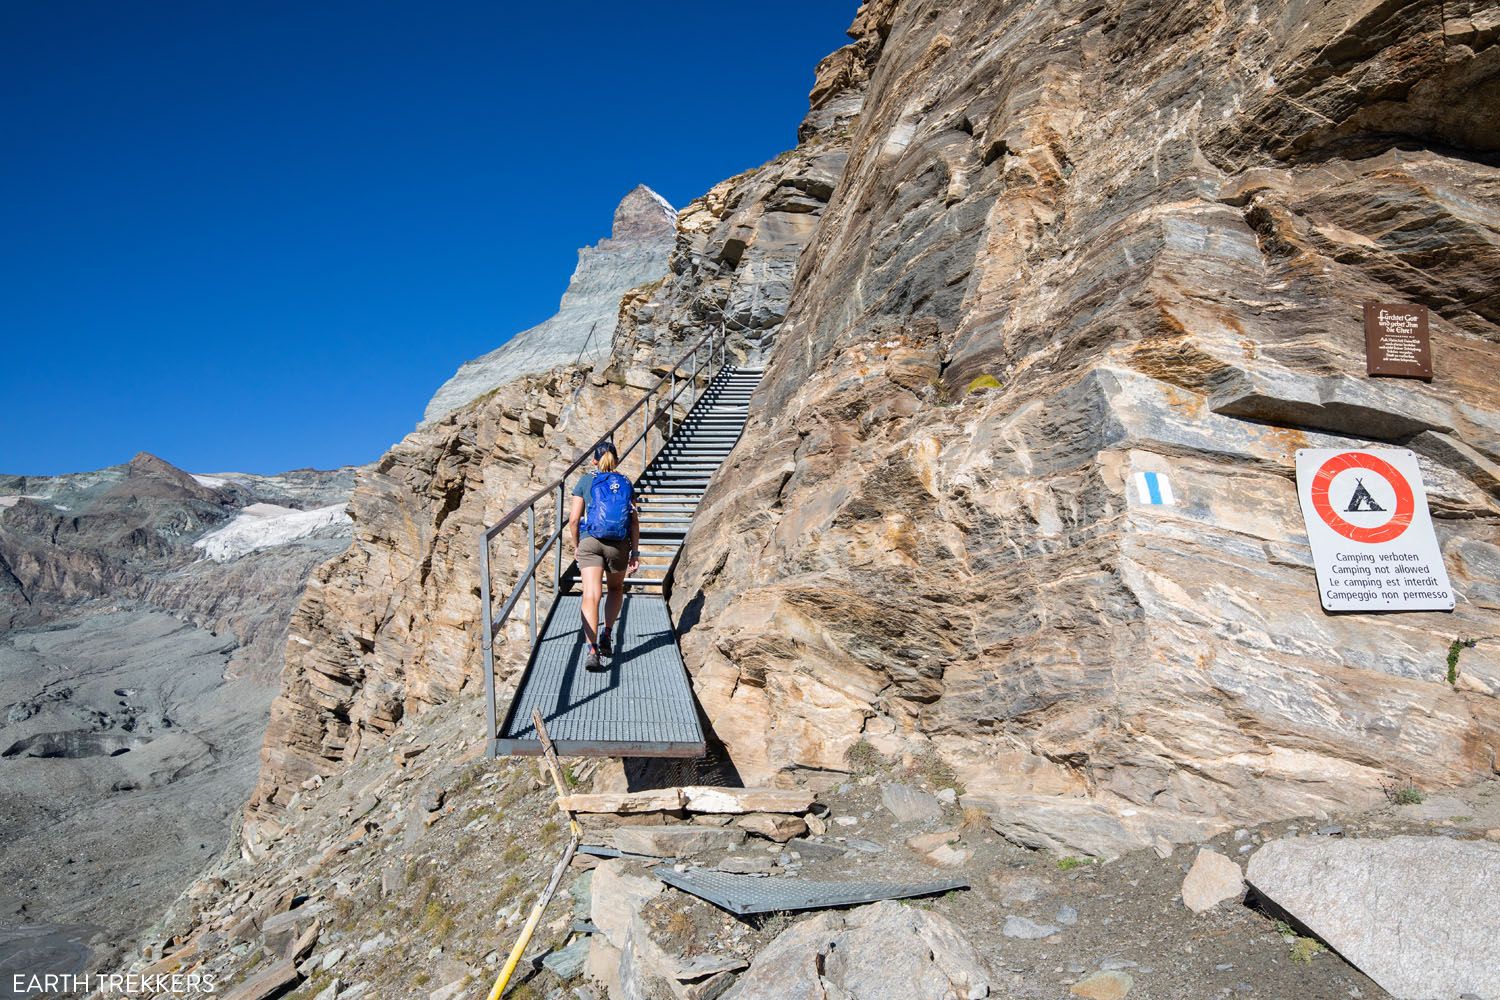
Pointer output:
1416, 914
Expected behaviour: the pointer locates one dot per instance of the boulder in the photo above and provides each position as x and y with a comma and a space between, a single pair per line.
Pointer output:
1027, 929
568, 962
304, 944
910, 805
1212, 880
392, 878
281, 929
885, 951
272, 982
657, 952
773, 826
1415, 914
1107, 985
677, 841
603, 963
943, 848
619, 888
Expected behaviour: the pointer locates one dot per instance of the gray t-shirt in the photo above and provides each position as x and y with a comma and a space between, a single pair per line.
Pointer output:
585, 483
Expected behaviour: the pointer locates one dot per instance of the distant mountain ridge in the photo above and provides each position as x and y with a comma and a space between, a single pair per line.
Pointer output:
143, 615
583, 328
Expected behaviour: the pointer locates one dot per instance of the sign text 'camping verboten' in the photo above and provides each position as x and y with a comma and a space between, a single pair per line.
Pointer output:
1371, 534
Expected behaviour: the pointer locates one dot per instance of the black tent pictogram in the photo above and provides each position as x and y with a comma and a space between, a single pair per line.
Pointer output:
1362, 496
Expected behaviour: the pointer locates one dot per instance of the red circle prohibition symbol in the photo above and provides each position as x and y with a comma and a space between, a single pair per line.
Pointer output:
1406, 504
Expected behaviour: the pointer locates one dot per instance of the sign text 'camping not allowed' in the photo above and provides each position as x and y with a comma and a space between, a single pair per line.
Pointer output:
1370, 531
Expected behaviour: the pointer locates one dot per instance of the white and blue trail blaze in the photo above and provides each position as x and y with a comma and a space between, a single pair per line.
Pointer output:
1154, 488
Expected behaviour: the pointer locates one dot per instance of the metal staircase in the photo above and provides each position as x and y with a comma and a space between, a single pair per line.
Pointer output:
669, 490
642, 703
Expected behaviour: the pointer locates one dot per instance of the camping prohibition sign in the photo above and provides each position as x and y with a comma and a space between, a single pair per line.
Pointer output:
1371, 534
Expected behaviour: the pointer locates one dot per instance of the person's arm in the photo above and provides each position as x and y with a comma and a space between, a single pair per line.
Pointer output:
635, 542
573, 518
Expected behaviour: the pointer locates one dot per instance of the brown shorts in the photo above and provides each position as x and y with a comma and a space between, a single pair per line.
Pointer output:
612, 555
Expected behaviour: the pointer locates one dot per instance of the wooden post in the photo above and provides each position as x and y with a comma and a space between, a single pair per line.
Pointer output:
549, 756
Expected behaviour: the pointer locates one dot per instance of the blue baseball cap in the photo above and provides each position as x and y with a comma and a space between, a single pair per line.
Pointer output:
604, 448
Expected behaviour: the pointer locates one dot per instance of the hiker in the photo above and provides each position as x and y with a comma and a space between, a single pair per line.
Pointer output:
604, 509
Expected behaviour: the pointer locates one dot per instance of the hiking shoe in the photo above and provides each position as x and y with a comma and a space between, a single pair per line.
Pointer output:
605, 649
592, 661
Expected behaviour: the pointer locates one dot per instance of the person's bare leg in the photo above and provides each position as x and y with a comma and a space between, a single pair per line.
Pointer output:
616, 598
593, 579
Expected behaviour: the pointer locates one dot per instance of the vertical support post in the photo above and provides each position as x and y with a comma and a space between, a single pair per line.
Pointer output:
672, 406
646, 434
531, 565
557, 556
576, 835
486, 639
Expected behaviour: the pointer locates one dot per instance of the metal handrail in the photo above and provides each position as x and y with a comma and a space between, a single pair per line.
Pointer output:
717, 342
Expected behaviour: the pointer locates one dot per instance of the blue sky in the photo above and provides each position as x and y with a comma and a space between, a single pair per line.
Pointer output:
257, 236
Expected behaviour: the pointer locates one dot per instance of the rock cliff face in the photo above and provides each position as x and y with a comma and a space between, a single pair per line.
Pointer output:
1153, 230
583, 329
738, 248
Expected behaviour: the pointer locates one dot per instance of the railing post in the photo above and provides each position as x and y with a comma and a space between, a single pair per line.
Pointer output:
557, 561
486, 626
531, 565
646, 434
672, 406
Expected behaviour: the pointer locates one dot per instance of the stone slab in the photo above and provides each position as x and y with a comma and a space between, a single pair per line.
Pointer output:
677, 841
708, 799
1416, 914
625, 803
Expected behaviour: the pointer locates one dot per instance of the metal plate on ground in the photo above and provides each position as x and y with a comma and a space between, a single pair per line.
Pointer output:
744, 894
641, 705
601, 851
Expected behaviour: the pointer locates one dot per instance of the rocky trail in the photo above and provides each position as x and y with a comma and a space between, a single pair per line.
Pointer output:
410, 874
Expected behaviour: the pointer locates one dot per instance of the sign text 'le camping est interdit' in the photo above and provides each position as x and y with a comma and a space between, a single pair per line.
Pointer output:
1371, 533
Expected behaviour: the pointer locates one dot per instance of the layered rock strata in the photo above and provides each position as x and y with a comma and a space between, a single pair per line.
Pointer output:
739, 246
1074, 242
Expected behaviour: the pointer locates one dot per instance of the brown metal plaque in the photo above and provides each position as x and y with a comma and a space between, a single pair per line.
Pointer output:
1396, 341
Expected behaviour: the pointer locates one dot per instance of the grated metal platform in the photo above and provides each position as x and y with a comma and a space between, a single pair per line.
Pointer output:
641, 705
744, 894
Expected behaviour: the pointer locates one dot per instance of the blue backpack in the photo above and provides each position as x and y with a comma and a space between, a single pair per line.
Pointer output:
610, 502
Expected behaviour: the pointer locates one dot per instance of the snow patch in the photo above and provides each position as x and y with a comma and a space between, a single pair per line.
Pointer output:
212, 482
263, 525
664, 203
15, 498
